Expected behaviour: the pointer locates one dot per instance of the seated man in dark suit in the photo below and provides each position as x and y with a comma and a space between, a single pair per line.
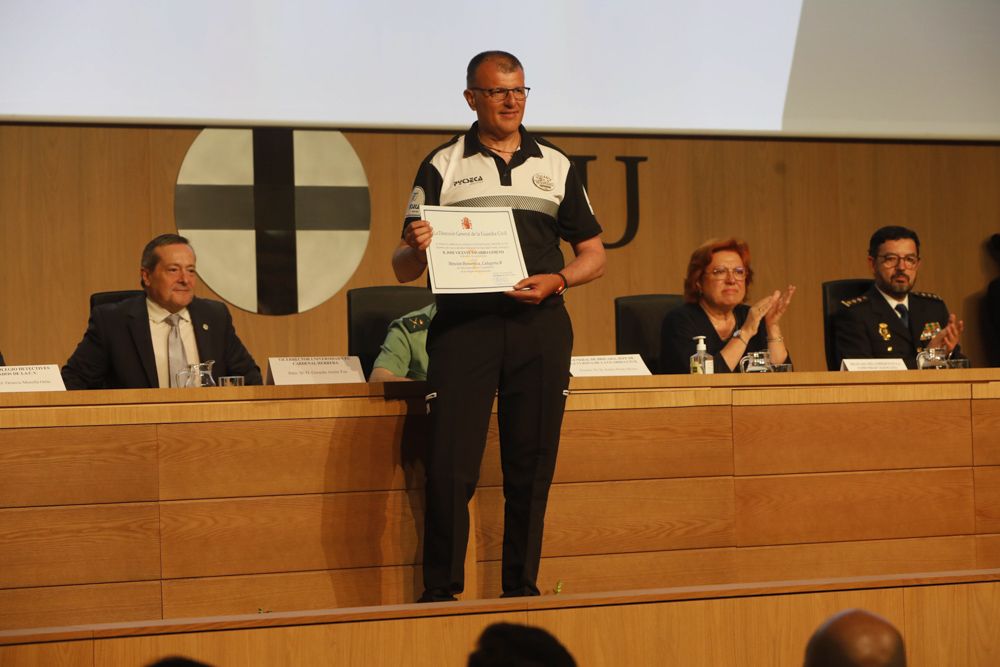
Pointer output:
144, 341
890, 320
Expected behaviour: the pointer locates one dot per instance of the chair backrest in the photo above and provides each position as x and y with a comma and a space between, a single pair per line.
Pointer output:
989, 321
638, 324
369, 312
835, 291
100, 298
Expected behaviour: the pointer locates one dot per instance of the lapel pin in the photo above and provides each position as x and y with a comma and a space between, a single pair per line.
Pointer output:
205, 327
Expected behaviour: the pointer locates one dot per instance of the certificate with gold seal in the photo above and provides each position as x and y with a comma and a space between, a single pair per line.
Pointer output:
473, 250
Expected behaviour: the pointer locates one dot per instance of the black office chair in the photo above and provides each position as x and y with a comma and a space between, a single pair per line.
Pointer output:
835, 291
101, 298
638, 321
369, 312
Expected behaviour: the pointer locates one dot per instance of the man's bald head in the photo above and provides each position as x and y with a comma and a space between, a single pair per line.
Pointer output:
855, 638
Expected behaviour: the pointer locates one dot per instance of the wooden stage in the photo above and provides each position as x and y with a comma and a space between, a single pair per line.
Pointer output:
132, 506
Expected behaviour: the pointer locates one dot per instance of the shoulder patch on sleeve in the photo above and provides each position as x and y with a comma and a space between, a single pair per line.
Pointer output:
417, 198
416, 323
847, 303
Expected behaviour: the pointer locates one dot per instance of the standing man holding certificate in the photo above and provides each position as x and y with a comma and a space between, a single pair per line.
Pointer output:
516, 342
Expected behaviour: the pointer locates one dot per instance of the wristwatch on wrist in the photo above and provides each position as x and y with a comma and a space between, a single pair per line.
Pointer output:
565, 283
739, 334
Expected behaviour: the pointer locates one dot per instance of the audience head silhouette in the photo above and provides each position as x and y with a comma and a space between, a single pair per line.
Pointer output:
511, 645
178, 661
855, 638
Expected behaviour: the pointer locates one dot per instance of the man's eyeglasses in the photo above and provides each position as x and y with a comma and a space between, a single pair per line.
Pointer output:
500, 94
739, 274
892, 261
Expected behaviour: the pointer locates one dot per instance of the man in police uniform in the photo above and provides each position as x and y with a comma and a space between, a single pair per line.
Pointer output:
517, 342
890, 320
404, 350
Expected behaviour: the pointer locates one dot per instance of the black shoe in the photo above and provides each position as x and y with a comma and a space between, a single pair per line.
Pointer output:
522, 592
437, 595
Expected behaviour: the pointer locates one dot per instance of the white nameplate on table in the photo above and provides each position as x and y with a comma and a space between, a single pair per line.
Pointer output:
31, 378
872, 365
473, 250
607, 365
313, 370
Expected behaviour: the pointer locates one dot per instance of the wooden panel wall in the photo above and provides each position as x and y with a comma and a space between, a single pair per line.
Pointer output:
78, 203
239, 509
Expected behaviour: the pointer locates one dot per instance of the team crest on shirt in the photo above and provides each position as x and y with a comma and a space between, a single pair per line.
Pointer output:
543, 182
416, 201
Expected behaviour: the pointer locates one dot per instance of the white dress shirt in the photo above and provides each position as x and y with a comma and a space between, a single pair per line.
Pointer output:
159, 329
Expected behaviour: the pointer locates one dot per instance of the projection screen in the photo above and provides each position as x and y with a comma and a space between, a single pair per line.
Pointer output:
893, 68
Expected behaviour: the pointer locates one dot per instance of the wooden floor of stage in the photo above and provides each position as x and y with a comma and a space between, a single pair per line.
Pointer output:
945, 618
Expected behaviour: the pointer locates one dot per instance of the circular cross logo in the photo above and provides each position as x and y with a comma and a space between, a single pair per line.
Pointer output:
279, 218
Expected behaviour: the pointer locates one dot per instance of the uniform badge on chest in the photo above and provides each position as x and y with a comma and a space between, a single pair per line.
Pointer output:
543, 182
883, 331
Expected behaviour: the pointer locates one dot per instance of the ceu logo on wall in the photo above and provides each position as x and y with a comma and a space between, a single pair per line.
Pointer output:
279, 218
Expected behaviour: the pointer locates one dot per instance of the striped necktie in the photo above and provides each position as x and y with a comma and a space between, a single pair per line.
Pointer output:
176, 358
904, 315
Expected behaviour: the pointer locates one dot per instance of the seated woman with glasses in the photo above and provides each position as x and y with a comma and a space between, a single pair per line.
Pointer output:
718, 276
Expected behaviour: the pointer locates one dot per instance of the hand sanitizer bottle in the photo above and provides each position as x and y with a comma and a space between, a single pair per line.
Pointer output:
702, 362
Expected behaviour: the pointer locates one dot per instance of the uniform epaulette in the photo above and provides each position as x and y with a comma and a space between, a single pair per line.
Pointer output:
416, 323
847, 303
929, 295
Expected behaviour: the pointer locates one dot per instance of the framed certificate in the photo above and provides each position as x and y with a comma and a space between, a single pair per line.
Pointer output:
473, 250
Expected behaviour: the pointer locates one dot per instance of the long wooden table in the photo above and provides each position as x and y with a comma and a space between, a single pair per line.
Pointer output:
132, 505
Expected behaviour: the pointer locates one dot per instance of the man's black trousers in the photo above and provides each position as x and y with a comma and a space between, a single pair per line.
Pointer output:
522, 352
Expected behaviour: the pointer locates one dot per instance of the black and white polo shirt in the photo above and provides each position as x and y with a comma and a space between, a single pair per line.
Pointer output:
539, 184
